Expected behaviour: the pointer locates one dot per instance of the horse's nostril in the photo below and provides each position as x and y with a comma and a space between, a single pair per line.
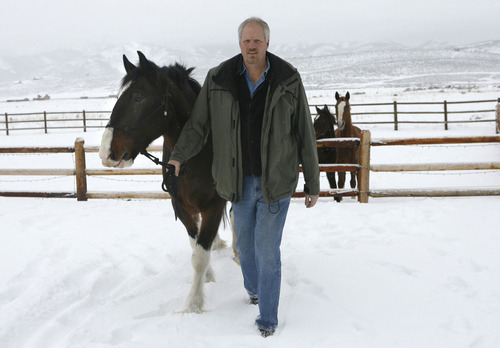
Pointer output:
126, 156
112, 155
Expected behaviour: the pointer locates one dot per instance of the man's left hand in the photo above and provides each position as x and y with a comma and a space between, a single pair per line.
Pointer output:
311, 200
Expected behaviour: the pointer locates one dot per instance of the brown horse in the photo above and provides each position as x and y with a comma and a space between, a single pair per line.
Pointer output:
157, 102
323, 126
349, 155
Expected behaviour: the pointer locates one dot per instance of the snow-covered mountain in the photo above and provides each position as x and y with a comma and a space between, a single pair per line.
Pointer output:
326, 66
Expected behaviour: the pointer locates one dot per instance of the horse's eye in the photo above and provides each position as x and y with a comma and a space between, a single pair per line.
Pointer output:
138, 98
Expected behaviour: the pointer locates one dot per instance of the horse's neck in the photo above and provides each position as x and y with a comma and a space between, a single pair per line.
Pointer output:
169, 142
330, 133
174, 127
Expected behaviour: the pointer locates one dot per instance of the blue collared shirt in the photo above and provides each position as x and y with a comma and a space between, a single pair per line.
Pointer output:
251, 86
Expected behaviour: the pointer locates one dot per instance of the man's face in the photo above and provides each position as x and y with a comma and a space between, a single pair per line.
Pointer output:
253, 44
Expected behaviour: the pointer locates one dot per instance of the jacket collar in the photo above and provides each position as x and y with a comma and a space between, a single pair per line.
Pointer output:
228, 72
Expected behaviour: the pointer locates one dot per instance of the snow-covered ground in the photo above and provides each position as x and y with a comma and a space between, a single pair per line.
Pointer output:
396, 272
391, 273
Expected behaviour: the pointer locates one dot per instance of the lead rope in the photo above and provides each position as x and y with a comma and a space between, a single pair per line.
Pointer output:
169, 183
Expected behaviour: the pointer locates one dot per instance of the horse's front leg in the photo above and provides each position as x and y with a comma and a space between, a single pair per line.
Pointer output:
353, 179
341, 180
333, 183
209, 274
201, 258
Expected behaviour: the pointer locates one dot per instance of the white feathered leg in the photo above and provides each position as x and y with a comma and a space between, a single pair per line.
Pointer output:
209, 274
200, 260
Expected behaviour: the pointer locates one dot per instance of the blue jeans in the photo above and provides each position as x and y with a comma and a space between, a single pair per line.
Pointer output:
259, 227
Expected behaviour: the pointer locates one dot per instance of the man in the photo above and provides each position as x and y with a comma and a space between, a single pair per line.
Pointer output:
255, 107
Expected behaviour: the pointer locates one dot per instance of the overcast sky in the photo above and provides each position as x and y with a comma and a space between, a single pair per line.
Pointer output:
29, 26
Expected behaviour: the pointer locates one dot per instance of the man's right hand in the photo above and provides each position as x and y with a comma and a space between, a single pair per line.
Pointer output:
177, 166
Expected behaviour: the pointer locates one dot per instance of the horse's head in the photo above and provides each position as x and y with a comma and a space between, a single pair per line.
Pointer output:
323, 123
145, 110
343, 110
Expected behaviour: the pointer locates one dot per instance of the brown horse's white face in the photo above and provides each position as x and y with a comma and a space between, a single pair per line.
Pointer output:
340, 114
107, 154
342, 109
137, 117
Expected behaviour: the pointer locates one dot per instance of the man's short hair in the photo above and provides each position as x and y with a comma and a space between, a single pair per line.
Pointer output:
255, 20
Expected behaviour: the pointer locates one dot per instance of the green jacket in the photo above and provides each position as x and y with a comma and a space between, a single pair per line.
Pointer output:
287, 139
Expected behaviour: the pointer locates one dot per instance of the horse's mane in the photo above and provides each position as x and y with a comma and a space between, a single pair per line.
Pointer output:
179, 73
176, 72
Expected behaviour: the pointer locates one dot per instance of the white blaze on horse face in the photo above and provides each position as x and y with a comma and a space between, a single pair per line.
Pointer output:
340, 114
105, 148
105, 151
123, 89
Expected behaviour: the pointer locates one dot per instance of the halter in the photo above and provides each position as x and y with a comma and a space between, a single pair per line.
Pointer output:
163, 105
169, 186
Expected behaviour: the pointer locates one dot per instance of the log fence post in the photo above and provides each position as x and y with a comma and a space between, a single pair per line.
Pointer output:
84, 122
445, 115
395, 115
364, 170
497, 118
7, 123
45, 121
80, 172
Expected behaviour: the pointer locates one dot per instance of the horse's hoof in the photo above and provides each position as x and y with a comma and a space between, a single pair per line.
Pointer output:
191, 309
193, 306
209, 277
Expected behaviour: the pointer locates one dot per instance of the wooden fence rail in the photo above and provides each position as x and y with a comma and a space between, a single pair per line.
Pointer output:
47, 121
85, 120
364, 168
397, 109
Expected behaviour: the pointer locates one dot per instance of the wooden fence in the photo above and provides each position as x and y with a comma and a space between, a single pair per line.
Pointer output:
395, 113
364, 168
445, 113
48, 121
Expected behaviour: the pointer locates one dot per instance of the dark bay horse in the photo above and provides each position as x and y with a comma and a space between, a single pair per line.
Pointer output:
350, 155
323, 126
156, 102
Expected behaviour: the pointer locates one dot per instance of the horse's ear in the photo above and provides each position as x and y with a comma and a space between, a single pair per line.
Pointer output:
337, 96
347, 96
318, 110
128, 66
143, 61
326, 108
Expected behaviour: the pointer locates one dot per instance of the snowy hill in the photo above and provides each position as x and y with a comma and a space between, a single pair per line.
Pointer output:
327, 66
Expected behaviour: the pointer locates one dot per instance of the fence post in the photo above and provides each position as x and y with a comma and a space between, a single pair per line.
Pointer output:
81, 175
395, 115
6, 124
498, 116
84, 122
45, 121
445, 115
364, 170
